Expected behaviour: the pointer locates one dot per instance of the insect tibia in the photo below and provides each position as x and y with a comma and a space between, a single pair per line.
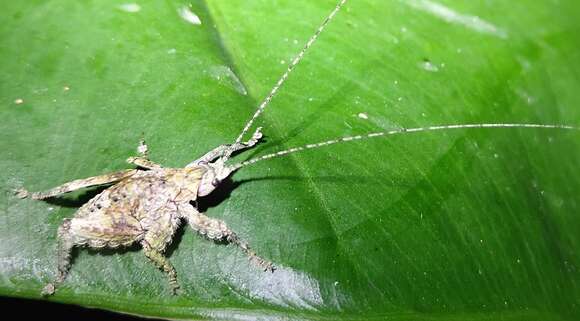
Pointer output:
291, 66
394, 132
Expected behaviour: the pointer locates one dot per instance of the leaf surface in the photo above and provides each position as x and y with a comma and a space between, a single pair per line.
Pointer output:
459, 225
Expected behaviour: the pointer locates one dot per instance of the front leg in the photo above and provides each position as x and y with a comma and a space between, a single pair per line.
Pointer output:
217, 230
227, 149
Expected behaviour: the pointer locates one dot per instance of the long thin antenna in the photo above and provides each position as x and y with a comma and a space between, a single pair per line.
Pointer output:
291, 66
393, 132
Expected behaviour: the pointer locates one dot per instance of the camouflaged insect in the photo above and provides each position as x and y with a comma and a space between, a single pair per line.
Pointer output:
146, 206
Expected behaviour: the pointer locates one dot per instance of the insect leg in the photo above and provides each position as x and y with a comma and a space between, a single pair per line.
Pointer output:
143, 149
156, 256
227, 150
65, 245
217, 230
143, 162
78, 184
95, 231
143, 159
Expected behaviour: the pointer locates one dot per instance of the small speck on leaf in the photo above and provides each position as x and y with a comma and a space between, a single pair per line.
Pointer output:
429, 66
186, 14
130, 7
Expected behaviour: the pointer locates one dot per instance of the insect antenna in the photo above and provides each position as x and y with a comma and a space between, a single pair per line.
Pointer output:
291, 66
393, 132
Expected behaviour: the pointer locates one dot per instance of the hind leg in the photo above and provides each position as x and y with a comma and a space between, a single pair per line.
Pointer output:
65, 245
78, 184
96, 231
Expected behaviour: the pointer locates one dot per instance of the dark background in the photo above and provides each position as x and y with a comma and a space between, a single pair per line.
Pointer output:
24, 309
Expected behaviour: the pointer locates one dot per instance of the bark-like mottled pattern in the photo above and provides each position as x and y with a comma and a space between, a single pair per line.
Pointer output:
146, 207
140, 208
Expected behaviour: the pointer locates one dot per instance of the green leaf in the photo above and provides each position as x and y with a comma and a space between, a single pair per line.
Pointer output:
458, 225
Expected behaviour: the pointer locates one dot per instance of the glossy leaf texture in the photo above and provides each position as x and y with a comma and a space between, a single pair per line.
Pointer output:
477, 224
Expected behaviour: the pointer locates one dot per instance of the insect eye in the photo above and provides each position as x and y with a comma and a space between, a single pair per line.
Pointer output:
215, 182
